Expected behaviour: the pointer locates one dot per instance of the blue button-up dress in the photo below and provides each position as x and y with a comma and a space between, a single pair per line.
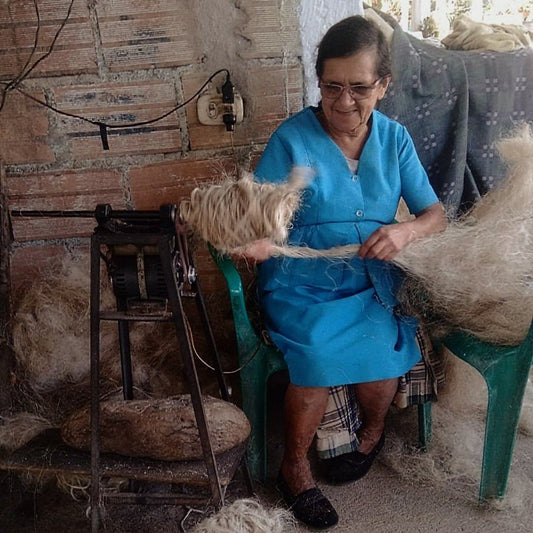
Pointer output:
336, 321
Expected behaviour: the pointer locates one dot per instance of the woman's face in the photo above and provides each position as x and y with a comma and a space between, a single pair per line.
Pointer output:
345, 113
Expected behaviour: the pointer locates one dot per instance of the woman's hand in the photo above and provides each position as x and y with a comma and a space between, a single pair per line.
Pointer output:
388, 241
256, 252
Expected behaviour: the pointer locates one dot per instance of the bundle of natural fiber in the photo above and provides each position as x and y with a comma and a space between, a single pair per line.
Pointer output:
51, 327
247, 516
235, 213
470, 35
477, 275
17, 430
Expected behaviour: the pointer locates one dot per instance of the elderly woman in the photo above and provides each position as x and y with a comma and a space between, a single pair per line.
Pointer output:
337, 322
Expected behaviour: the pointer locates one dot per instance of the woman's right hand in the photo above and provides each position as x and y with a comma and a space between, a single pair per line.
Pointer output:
256, 252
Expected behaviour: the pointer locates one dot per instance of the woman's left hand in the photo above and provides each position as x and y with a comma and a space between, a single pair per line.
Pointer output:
387, 241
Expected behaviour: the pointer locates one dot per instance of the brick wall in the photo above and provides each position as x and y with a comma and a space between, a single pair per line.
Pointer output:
121, 62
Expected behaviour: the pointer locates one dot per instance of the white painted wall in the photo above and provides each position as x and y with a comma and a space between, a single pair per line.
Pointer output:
316, 16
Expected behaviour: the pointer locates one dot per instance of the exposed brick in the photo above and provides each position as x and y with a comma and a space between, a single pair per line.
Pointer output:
171, 182
69, 191
120, 103
24, 126
271, 30
147, 34
74, 50
271, 95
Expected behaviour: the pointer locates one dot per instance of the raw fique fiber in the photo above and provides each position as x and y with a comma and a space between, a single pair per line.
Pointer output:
247, 515
477, 275
51, 333
17, 430
235, 213
453, 458
50, 327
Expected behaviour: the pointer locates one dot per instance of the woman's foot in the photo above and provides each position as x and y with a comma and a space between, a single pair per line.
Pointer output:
353, 465
310, 506
297, 474
368, 438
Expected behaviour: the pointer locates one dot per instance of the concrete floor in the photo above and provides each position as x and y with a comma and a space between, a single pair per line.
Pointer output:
404, 491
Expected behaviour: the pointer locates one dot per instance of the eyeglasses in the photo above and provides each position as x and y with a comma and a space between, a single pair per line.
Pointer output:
357, 92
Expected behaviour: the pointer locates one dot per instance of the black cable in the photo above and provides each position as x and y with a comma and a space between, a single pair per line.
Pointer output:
103, 126
25, 72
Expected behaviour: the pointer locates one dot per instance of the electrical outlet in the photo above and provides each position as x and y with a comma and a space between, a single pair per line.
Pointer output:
210, 109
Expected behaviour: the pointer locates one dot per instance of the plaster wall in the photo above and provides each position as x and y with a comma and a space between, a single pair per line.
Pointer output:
316, 16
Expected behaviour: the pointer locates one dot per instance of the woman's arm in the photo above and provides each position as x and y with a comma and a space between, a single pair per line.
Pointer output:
387, 241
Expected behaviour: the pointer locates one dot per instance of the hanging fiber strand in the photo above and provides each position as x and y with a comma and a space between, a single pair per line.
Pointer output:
477, 275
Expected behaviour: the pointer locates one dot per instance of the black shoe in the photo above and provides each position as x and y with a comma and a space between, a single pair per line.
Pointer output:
351, 466
310, 506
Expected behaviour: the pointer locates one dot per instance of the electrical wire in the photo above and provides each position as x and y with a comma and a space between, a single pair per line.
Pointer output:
205, 363
25, 72
103, 126
129, 125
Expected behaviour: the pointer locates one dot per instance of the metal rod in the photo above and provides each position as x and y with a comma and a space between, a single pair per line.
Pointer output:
185, 348
122, 214
52, 214
125, 352
95, 383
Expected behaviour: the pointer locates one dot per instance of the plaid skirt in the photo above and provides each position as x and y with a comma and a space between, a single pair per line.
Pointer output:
336, 434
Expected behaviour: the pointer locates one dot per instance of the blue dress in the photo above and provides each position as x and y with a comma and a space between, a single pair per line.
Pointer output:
334, 320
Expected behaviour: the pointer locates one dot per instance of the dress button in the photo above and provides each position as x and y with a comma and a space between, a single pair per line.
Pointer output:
359, 213
355, 177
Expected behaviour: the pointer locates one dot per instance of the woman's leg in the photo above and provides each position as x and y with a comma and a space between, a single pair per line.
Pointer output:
374, 398
303, 411
337, 432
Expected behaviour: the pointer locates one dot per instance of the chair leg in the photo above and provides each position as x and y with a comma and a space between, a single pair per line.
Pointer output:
254, 404
506, 381
424, 425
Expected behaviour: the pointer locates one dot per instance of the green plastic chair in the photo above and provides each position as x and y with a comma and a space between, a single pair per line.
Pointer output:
506, 370
259, 362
